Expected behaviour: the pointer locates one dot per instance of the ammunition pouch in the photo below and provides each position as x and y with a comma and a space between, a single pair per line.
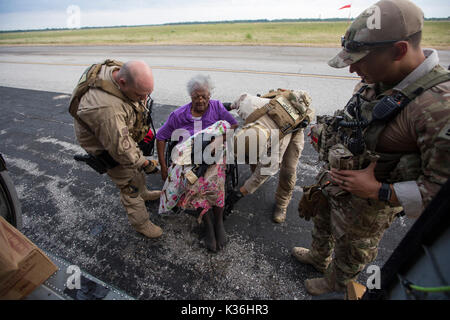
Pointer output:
324, 135
328, 188
339, 157
100, 163
312, 201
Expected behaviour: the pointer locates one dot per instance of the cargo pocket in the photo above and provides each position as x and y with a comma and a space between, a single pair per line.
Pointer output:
135, 186
362, 251
130, 190
371, 217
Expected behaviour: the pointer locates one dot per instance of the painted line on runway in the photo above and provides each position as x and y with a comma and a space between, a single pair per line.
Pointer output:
323, 76
274, 73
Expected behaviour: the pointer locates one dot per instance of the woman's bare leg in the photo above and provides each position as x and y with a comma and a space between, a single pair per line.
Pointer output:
219, 228
210, 237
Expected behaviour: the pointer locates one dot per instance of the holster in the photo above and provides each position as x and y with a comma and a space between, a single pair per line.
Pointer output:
100, 163
312, 201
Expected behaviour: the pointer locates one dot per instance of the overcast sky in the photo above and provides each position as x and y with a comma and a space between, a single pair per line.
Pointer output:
40, 14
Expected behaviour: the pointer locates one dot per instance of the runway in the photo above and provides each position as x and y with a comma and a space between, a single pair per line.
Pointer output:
233, 69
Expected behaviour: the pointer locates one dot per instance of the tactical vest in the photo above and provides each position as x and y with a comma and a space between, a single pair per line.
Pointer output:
284, 109
89, 79
391, 167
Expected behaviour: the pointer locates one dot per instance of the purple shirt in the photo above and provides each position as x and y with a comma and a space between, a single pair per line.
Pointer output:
181, 118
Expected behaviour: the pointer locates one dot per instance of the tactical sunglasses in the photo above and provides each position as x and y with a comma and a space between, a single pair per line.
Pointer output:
355, 46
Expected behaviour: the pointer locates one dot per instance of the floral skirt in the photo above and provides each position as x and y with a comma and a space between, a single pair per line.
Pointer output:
206, 192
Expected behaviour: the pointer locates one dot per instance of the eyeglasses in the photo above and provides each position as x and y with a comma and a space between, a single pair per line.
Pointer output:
198, 97
355, 46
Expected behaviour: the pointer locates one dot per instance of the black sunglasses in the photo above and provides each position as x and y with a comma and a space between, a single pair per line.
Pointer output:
355, 46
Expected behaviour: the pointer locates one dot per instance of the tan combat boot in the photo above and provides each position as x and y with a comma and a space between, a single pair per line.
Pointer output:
150, 230
318, 286
279, 215
303, 255
148, 195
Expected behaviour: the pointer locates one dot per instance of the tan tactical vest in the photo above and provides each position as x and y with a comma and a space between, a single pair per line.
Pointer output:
285, 109
391, 167
89, 79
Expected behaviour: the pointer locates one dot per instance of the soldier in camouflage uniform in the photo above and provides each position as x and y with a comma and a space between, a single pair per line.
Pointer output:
109, 117
289, 151
403, 108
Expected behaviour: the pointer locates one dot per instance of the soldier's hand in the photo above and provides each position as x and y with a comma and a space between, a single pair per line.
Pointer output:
150, 167
361, 183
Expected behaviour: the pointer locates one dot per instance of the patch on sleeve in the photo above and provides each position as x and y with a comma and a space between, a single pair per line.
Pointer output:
126, 144
445, 132
124, 132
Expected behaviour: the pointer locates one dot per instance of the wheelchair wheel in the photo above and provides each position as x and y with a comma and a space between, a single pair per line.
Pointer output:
168, 153
10, 208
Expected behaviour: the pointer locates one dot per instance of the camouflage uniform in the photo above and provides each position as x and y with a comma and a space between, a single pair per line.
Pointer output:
290, 147
352, 226
114, 129
413, 147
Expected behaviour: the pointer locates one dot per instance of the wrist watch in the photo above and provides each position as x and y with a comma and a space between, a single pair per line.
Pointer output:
384, 194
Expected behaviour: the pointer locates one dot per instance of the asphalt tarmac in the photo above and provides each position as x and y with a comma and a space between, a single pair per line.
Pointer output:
74, 213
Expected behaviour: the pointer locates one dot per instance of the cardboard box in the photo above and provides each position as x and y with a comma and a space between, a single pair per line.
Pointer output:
23, 266
355, 290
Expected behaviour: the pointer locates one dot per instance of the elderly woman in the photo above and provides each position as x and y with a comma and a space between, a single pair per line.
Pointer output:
207, 113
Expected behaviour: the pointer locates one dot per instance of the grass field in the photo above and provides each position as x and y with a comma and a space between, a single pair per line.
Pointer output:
436, 34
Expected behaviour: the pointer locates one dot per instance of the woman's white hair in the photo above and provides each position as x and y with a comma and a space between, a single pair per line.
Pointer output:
200, 82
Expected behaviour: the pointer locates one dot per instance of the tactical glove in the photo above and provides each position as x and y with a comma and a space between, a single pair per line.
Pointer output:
151, 167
